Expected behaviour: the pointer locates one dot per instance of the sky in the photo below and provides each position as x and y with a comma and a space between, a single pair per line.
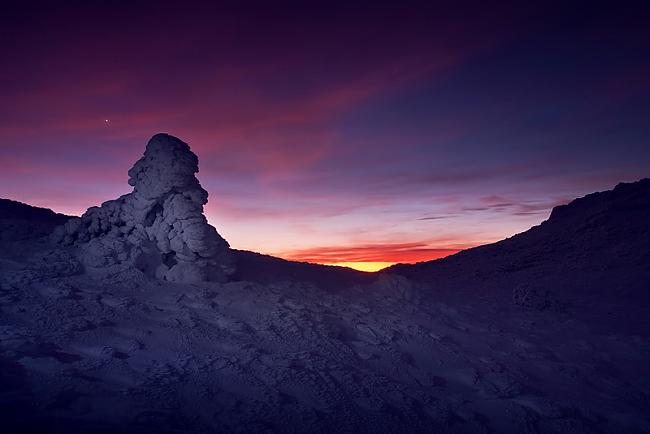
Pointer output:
353, 133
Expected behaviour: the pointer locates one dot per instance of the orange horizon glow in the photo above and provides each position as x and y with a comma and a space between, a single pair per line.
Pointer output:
370, 258
364, 266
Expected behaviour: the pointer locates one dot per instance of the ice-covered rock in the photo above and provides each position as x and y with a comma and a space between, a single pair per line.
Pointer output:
159, 227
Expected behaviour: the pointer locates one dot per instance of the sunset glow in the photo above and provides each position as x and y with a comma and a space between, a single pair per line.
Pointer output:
371, 257
401, 140
364, 266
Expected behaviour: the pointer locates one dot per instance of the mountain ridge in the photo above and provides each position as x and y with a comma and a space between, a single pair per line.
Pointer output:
639, 190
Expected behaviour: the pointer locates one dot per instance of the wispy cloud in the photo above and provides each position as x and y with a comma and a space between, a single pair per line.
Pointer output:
503, 205
436, 217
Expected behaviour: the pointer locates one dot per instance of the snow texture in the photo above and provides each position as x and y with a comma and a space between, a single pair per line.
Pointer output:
546, 332
159, 228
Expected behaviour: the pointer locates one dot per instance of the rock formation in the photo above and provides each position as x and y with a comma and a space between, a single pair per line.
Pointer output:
159, 228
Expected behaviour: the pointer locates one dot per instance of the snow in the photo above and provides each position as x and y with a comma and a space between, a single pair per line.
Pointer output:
290, 357
159, 228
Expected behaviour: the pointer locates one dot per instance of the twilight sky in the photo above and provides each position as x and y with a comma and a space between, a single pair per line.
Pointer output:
357, 133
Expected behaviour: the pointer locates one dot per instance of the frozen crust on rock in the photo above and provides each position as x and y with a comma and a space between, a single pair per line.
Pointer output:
159, 228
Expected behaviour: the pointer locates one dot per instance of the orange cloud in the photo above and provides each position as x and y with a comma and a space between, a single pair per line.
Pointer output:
370, 253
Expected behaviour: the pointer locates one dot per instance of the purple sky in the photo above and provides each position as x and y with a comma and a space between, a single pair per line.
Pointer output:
335, 134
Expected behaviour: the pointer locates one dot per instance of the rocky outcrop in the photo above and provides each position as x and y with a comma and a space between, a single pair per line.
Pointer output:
159, 228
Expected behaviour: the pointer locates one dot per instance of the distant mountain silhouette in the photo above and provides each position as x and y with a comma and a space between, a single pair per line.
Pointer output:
261, 268
19, 221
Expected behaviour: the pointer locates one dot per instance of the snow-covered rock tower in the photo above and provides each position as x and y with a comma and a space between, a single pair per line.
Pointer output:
159, 228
